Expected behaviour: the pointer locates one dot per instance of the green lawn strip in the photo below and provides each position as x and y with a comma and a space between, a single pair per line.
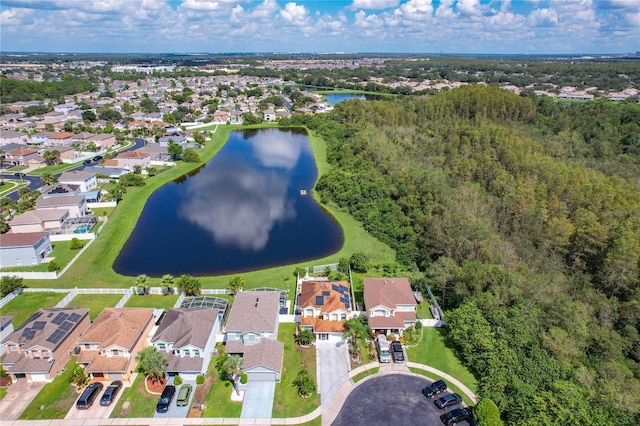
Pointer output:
56, 397
141, 402
287, 402
218, 401
95, 302
364, 374
423, 311
451, 386
95, 267
61, 253
152, 301
26, 304
58, 168
431, 351
3, 393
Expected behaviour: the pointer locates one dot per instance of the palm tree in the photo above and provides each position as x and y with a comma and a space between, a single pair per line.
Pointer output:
142, 281
51, 157
48, 179
167, 281
189, 285
151, 363
235, 284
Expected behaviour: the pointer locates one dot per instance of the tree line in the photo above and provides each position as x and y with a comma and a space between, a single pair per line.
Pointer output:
532, 246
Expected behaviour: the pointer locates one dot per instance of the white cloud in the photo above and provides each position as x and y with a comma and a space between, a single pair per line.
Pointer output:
295, 14
374, 4
469, 7
543, 17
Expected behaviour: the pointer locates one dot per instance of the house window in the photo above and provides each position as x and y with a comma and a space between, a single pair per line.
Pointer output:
309, 312
116, 352
196, 352
187, 352
343, 316
162, 346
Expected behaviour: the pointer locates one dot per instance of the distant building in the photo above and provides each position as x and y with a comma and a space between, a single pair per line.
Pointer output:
24, 249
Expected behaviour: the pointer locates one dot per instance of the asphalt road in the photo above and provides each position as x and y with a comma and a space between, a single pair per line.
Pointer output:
390, 400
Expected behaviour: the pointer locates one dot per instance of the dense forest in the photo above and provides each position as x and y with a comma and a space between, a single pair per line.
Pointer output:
524, 216
12, 90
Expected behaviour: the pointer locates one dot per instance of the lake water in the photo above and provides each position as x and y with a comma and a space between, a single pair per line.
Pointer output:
334, 98
242, 211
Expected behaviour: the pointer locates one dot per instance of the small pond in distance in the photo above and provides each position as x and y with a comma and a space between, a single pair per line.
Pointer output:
242, 211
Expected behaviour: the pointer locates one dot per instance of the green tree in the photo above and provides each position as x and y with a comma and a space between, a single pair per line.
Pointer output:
48, 179
4, 226
76, 244
10, 283
51, 157
305, 383
117, 192
131, 179
305, 337
53, 266
189, 285
199, 137
174, 150
142, 282
90, 116
235, 284
79, 378
359, 262
487, 413
190, 155
151, 363
167, 282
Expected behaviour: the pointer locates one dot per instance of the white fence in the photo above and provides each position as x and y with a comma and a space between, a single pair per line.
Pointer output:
207, 291
128, 293
102, 204
69, 237
68, 298
433, 323
31, 275
9, 297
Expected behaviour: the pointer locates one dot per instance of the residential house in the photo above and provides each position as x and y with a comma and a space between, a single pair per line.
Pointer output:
84, 179
130, 159
269, 115
221, 116
390, 304
187, 338
6, 328
41, 347
53, 117
11, 136
56, 139
109, 347
38, 221
104, 140
24, 249
75, 204
235, 117
324, 307
59, 190
179, 138
251, 331
21, 156
109, 172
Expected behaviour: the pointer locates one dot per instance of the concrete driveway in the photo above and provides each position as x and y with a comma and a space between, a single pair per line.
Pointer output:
176, 412
19, 396
392, 400
258, 399
332, 359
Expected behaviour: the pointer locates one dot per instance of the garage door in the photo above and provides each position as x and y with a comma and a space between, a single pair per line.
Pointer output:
39, 378
262, 376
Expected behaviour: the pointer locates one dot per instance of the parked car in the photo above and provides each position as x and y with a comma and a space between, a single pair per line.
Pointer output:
88, 396
455, 416
183, 395
97, 158
165, 399
397, 352
19, 175
434, 388
448, 400
110, 393
382, 344
86, 162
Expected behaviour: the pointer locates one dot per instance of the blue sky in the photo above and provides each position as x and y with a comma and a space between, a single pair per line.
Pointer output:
402, 26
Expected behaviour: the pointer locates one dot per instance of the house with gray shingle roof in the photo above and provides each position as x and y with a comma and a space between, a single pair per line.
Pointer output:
187, 338
40, 348
251, 331
390, 304
24, 249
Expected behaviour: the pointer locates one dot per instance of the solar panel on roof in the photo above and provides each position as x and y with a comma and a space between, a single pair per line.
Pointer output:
56, 336
74, 317
326, 293
39, 325
28, 333
319, 300
60, 318
343, 288
67, 326
335, 287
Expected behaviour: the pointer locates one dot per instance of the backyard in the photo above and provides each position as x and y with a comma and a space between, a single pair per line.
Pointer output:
62, 254
95, 302
26, 304
152, 301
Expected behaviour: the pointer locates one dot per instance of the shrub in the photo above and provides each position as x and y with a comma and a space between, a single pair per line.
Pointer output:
487, 413
177, 380
305, 383
79, 378
244, 378
76, 244
200, 379
305, 337
359, 262
10, 283
53, 266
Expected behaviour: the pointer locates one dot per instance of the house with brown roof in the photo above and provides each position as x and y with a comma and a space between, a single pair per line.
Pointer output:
38, 350
130, 159
187, 338
251, 331
60, 139
38, 221
20, 156
324, 307
24, 249
109, 347
104, 140
390, 304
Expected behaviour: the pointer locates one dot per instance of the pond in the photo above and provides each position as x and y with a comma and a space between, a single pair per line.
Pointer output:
334, 98
244, 210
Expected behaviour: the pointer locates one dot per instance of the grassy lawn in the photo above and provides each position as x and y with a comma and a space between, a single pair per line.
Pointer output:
141, 403
152, 301
62, 254
364, 374
287, 402
95, 268
3, 393
218, 399
57, 398
423, 311
95, 302
26, 304
432, 351
58, 168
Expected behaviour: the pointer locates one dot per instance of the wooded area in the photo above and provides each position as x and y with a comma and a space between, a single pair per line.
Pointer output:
524, 215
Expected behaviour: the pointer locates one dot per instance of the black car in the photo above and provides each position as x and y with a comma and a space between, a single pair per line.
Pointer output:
86, 162
455, 416
396, 351
88, 396
448, 400
110, 393
165, 399
434, 388
19, 175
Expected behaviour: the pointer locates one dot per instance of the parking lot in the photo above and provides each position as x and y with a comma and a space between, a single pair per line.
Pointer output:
394, 399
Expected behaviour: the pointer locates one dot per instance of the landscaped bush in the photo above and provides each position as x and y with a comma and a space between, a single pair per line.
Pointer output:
359, 262
244, 378
10, 283
305, 383
487, 413
53, 266
200, 379
177, 380
76, 244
